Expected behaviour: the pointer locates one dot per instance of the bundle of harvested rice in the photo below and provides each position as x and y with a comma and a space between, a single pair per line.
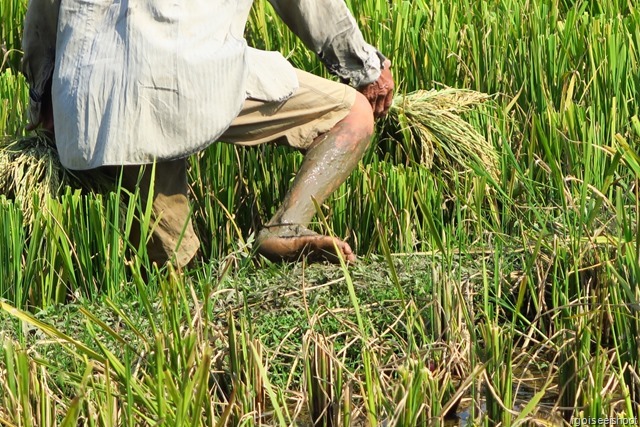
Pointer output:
27, 166
30, 170
430, 121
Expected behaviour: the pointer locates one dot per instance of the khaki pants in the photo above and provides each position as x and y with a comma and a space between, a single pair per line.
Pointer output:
316, 107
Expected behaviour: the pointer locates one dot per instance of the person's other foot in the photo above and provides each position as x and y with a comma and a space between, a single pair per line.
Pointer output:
292, 243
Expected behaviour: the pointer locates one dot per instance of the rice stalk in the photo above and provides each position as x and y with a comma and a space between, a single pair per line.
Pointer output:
431, 122
323, 380
27, 399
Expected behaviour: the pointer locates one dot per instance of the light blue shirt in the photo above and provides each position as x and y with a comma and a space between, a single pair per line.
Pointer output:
141, 80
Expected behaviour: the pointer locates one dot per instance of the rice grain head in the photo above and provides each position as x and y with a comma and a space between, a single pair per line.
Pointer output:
431, 120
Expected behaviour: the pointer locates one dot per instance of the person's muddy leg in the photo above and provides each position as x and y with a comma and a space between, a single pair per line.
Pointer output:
327, 164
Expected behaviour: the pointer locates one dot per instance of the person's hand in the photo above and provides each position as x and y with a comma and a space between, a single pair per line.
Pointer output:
380, 92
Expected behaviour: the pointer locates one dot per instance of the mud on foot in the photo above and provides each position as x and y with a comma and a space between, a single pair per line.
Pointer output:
292, 243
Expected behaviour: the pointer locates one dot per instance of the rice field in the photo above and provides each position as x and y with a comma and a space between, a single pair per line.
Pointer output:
481, 297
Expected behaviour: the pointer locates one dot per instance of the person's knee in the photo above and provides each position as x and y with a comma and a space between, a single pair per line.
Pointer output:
353, 132
363, 116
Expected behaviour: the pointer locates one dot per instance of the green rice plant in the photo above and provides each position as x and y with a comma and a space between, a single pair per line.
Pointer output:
249, 381
421, 394
324, 383
74, 246
386, 196
249, 394
25, 398
626, 326
89, 232
11, 16
371, 385
499, 386
31, 172
426, 391
11, 249
13, 103
583, 329
237, 186
31, 271
266, 31
580, 290
625, 293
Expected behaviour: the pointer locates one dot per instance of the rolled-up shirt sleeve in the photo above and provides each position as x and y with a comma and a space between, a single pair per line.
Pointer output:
328, 28
39, 47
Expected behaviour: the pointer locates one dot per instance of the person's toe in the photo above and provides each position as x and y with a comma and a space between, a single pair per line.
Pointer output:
347, 252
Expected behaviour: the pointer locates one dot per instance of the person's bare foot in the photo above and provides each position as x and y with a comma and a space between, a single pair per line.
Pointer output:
291, 243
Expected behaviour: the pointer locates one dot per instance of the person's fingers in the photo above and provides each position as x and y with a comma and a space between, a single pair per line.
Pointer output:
380, 92
370, 95
383, 101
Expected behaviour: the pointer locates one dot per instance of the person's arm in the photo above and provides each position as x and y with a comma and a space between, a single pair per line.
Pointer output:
39, 47
328, 28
